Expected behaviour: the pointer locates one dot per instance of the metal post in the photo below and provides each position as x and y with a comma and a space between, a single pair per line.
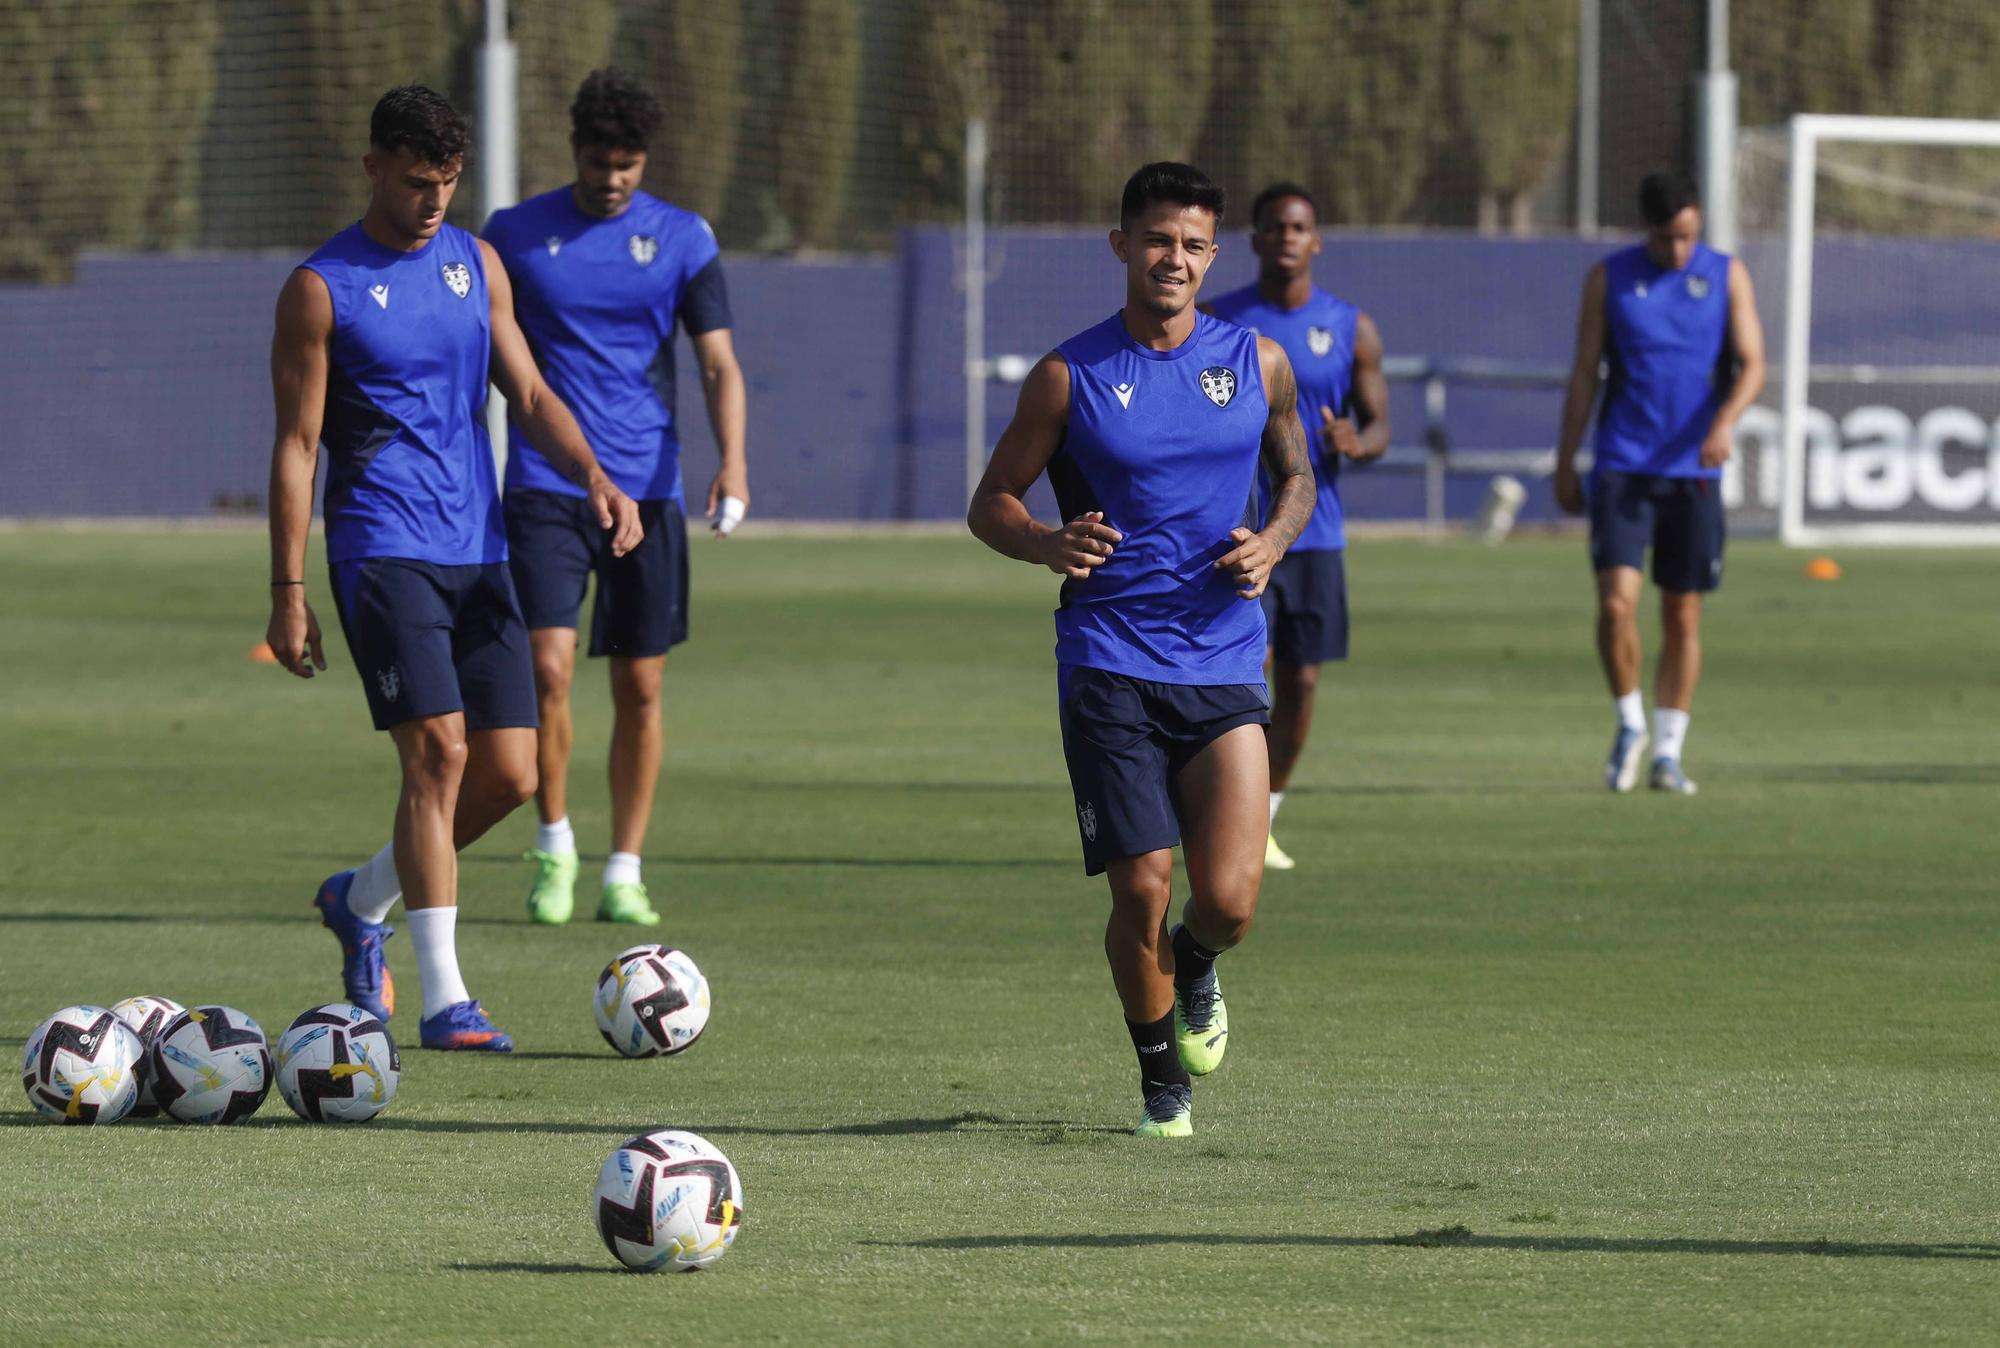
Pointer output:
975, 303
1798, 325
1436, 460
498, 141
1715, 123
1589, 50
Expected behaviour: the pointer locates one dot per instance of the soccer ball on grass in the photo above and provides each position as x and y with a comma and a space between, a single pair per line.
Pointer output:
337, 1064
211, 1064
81, 1066
668, 1199
652, 1001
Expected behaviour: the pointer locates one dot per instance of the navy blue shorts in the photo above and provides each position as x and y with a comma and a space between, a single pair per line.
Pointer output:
555, 543
1127, 740
1680, 518
1305, 607
428, 640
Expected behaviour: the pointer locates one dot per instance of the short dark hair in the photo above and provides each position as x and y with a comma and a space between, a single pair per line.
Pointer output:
1276, 193
411, 117
1665, 195
612, 110
1182, 184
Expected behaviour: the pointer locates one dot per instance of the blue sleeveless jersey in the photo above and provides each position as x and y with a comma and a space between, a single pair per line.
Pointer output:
1319, 339
597, 299
411, 470
1165, 443
1666, 340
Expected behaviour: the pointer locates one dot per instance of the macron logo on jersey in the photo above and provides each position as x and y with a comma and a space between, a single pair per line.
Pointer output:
381, 294
1124, 392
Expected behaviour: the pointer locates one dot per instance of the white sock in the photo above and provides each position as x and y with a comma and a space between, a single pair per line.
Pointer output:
1277, 799
1670, 731
556, 838
621, 868
434, 932
1632, 711
375, 888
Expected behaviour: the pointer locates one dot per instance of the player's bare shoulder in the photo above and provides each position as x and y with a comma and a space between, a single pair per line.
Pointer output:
1280, 385
1045, 392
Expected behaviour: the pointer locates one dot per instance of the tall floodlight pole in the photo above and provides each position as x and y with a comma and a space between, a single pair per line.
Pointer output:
1715, 120
975, 304
497, 142
1589, 50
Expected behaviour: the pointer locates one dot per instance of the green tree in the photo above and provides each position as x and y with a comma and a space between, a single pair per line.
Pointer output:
101, 124
1513, 80
949, 72
689, 53
814, 117
559, 43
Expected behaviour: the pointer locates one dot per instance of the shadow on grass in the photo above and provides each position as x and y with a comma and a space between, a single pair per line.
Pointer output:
1460, 1238
189, 919
1883, 774
968, 1122
535, 1268
742, 860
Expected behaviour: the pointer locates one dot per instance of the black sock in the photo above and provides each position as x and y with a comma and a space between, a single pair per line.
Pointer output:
1159, 1064
1193, 961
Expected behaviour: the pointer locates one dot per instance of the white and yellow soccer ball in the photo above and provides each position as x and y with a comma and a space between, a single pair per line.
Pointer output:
337, 1064
81, 1065
652, 1001
147, 1016
211, 1064
668, 1200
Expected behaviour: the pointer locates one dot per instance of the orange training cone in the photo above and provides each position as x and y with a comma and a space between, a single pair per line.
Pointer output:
1822, 568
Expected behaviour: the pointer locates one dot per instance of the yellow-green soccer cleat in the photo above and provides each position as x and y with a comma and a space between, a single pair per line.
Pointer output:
627, 903
1275, 858
1169, 1112
552, 897
1201, 1025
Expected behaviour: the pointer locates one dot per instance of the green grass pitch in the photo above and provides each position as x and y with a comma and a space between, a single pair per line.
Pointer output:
1515, 1061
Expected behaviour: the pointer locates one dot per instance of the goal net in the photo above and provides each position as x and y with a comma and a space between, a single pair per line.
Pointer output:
1878, 240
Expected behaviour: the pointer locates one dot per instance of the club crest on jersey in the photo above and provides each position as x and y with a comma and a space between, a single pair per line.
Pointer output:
1087, 815
644, 249
1219, 384
1698, 287
1319, 341
459, 277
554, 242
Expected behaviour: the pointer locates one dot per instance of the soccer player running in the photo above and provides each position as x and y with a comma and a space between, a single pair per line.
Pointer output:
1151, 426
1676, 324
385, 338
602, 272
1336, 357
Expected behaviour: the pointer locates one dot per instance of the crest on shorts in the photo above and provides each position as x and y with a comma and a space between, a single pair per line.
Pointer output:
1319, 341
390, 681
1086, 815
459, 277
1698, 287
1219, 384
644, 249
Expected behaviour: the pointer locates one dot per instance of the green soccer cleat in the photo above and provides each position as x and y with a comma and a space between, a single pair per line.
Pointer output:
627, 903
1275, 858
1169, 1112
1201, 1025
552, 898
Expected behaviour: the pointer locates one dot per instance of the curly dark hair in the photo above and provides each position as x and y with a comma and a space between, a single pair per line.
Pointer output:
1276, 193
611, 110
420, 120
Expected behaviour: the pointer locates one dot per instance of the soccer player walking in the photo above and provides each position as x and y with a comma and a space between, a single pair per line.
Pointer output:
602, 272
1151, 426
385, 338
1675, 323
1336, 357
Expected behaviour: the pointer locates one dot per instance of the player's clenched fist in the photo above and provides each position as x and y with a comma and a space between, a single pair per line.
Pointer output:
1080, 546
1249, 563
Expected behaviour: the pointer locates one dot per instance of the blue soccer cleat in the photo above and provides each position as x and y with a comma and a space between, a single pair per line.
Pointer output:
463, 1026
363, 973
1621, 769
1668, 775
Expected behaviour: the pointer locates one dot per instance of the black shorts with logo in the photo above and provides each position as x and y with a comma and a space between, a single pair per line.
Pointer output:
1126, 741
429, 639
555, 544
1680, 518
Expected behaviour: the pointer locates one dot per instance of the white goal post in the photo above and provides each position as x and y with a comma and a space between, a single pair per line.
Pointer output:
1808, 133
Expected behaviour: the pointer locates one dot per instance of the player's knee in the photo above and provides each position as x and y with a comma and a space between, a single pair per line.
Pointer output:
436, 756
1680, 616
636, 691
1617, 608
1227, 911
552, 676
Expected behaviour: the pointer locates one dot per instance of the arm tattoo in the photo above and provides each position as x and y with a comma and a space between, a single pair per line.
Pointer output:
1288, 462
